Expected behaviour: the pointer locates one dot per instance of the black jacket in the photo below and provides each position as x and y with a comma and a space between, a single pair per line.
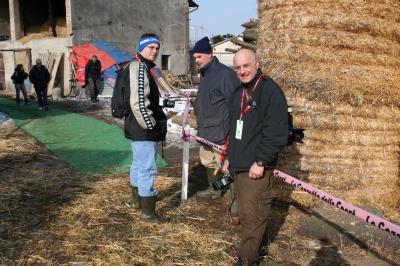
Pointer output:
19, 76
39, 76
211, 107
265, 127
93, 69
145, 119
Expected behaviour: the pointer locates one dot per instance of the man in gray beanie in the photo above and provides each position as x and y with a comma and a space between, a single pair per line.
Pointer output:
211, 108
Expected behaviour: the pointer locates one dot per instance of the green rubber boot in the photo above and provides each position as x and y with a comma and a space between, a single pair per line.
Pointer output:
135, 198
210, 192
148, 214
234, 207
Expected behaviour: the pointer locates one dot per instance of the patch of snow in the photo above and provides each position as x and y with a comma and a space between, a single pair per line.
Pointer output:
5, 119
174, 136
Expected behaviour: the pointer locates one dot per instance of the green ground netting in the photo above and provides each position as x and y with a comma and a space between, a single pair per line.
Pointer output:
89, 145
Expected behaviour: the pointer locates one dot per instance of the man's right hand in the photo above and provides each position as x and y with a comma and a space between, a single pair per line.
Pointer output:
225, 167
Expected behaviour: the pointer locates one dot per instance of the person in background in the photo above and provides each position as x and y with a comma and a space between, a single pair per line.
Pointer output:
259, 131
18, 78
145, 125
211, 108
92, 77
39, 76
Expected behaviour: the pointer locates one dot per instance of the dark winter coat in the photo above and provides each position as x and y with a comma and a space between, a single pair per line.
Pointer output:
265, 127
39, 76
145, 119
19, 76
211, 107
93, 69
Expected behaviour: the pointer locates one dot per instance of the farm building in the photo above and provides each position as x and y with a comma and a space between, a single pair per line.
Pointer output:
50, 28
223, 50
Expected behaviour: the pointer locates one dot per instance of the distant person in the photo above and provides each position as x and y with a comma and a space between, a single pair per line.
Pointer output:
259, 131
92, 77
40, 77
145, 124
211, 108
18, 78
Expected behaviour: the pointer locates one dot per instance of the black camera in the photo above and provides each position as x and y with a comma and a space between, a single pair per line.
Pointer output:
295, 134
224, 180
164, 102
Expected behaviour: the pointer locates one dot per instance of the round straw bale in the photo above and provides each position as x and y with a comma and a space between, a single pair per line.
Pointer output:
338, 64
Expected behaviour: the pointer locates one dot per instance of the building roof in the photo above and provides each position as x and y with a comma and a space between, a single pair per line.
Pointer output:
192, 3
227, 40
249, 25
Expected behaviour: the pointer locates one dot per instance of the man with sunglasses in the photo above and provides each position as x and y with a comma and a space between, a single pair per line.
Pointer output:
259, 131
145, 124
39, 76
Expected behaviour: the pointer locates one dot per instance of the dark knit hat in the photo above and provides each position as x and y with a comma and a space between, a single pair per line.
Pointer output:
203, 46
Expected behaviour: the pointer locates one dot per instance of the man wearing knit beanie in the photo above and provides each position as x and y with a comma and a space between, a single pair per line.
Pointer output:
211, 108
203, 46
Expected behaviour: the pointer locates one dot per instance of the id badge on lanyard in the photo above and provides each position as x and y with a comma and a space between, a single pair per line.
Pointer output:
239, 123
239, 129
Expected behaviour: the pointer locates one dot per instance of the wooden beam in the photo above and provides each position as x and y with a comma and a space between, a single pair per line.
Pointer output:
53, 73
251, 46
249, 25
231, 50
250, 35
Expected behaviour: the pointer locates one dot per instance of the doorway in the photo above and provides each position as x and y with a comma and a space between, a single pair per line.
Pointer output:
2, 74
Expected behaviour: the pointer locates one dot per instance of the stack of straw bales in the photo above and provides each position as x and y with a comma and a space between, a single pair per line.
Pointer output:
338, 63
61, 27
42, 31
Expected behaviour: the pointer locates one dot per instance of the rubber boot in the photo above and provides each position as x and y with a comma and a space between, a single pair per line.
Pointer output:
148, 214
210, 192
135, 198
234, 207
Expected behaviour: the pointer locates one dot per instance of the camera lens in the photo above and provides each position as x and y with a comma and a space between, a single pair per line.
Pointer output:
170, 104
225, 179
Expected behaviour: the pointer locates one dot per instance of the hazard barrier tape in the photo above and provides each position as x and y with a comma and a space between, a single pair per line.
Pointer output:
209, 143
370, 218
186, 137
347, 207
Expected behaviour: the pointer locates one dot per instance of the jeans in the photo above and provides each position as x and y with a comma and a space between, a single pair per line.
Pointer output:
94, 86
144, 168
41, 93
18, 88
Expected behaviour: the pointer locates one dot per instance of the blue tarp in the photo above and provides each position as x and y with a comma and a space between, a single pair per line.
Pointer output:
118, 54
114, 51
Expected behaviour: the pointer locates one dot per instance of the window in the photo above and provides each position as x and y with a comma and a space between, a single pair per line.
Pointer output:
165, 62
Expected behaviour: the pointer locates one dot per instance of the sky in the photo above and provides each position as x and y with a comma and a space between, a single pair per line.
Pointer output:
220, 17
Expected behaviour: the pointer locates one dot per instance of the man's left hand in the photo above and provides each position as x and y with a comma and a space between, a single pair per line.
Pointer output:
256, 171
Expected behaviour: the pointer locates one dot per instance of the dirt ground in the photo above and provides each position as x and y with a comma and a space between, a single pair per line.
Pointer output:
50, 214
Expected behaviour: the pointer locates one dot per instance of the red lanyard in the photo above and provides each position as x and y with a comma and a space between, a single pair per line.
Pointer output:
242, 112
